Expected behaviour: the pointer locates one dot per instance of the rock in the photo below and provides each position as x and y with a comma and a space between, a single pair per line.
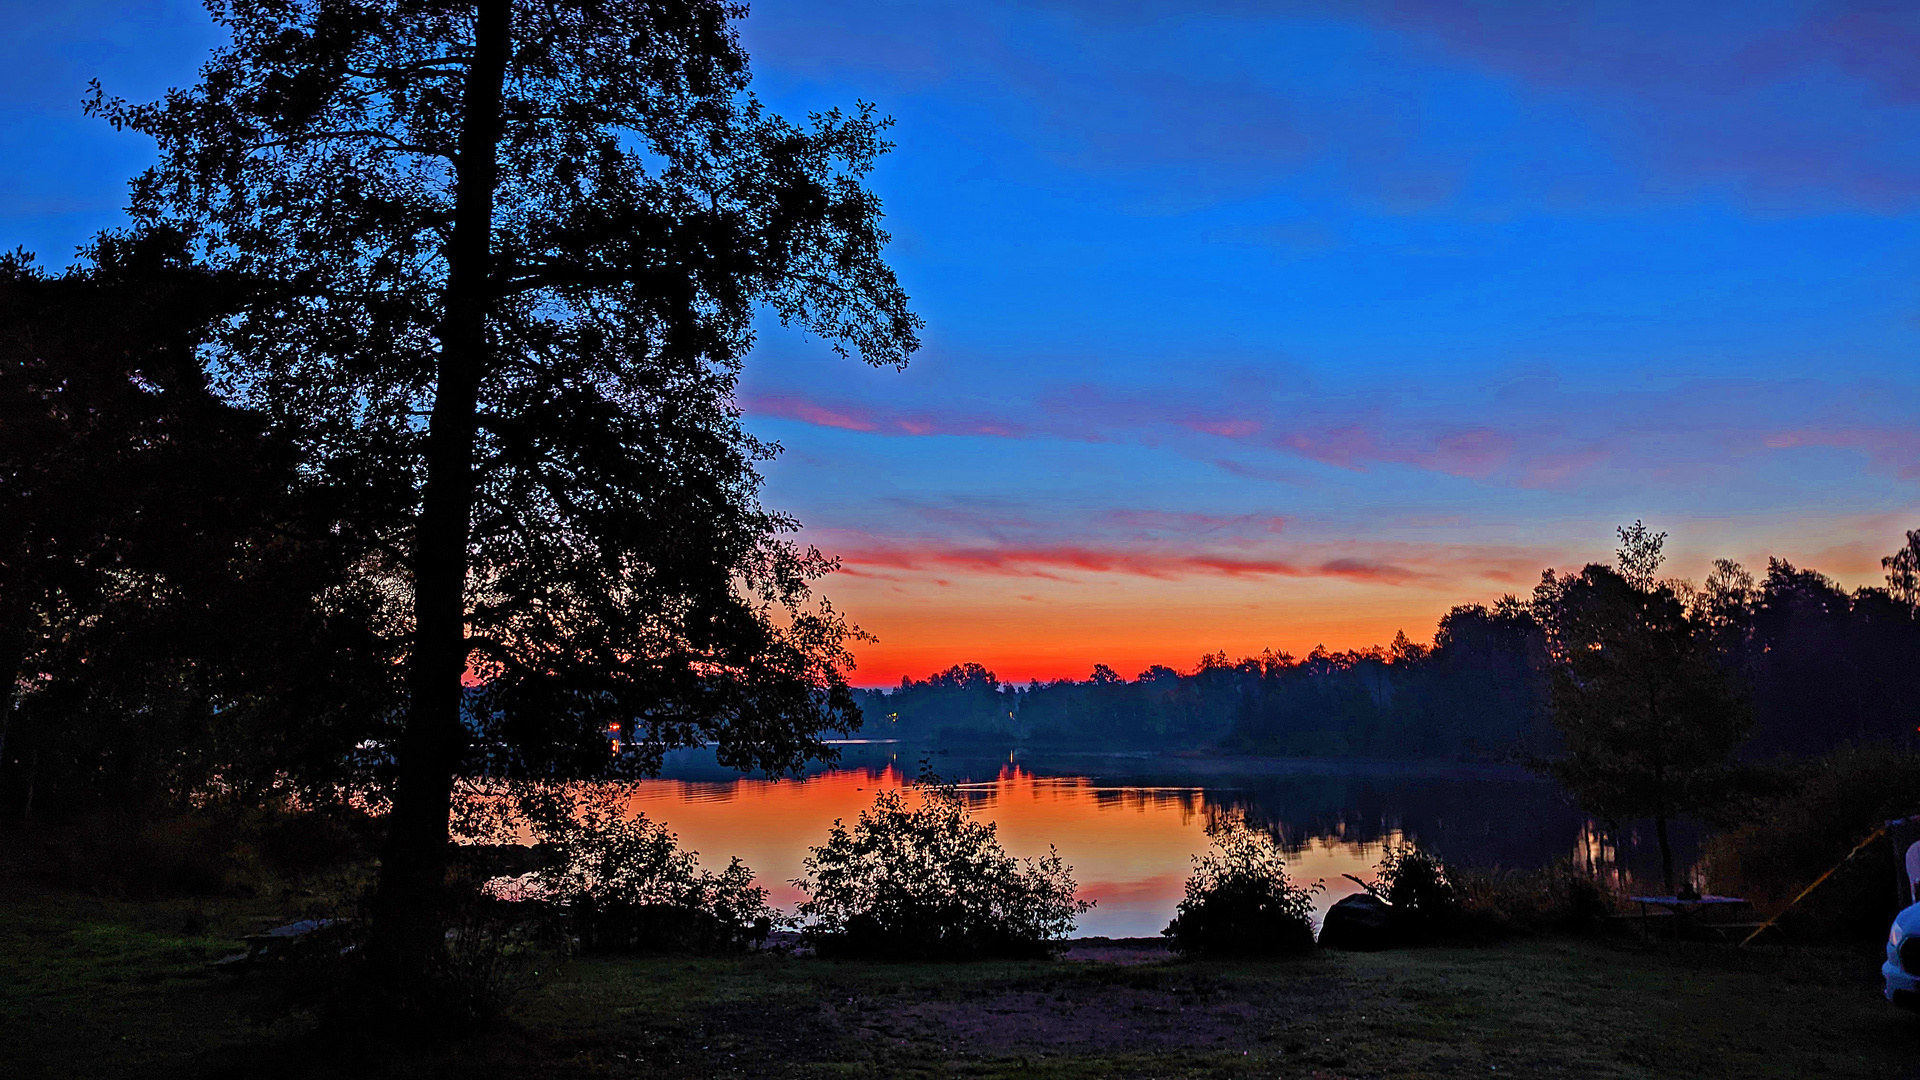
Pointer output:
1360, 922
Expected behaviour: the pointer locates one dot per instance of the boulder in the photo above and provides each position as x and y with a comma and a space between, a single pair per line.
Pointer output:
1359, 922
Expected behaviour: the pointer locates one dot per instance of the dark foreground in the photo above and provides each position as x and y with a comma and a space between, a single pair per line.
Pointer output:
93, 988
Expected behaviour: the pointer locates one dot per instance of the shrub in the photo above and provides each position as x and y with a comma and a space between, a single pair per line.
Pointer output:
177, 854
1239, 901
321, 839
488, 964
1424, 900
491, 957
1559, 899
626, 885
931, 882
1813, 815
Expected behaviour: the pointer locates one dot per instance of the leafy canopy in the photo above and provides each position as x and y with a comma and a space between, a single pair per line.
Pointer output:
644, 208
177, 617
1647, 715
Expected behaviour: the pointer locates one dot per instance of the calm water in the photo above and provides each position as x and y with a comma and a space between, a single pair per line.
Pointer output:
1130, 824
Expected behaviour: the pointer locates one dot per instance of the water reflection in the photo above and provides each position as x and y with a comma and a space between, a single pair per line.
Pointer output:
1129, 824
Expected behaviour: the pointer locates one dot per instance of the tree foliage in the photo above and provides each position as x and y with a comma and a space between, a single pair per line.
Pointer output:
930, 881
1818, 666
179, 609
624, 882
1647, 713
644, 205
510, 254
1474, 693
1238, 899
1424, 898
1903, 571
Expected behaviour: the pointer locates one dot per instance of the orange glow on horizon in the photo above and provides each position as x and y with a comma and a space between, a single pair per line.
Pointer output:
1026, 626
1062, 632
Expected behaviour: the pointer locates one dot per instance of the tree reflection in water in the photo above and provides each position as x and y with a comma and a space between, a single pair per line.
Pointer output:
1129, 824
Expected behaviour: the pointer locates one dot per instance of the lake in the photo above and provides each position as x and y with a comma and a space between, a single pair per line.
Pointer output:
1129, 824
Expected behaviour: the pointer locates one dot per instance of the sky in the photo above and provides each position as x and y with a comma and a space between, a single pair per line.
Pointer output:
1282, 324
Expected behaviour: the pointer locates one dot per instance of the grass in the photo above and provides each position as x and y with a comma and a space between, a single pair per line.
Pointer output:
104, 988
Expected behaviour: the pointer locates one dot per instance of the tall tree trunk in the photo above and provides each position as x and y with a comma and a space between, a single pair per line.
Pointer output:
407, 930
12, 652
13, 649
1666, 851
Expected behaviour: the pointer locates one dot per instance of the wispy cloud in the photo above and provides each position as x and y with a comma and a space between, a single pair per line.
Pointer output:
1549, 437
1893, 450
1167, 523
1808, 100
885, 421
1392, 564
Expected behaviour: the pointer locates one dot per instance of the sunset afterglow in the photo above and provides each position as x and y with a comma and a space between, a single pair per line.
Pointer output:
1274, 328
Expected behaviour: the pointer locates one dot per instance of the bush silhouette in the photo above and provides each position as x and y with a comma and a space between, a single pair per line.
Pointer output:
1425, 902
626, 885
931, 882
1239, 901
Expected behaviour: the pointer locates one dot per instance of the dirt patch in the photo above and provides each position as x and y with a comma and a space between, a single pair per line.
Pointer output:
1143, 1010
1101, 950
1118, 1018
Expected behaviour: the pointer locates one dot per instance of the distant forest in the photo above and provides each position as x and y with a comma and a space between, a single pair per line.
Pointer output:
1820, 666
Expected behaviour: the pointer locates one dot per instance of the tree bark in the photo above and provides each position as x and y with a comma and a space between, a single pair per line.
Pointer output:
12, 652
408, 912
1666, 851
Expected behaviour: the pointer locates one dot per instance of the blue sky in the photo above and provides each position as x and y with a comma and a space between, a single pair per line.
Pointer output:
1274, 324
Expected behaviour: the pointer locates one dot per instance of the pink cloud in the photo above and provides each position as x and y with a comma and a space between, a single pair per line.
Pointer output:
1256, 472
1092, 414
1381, 564
1897, 450
1549, 440
794, 407
854, 417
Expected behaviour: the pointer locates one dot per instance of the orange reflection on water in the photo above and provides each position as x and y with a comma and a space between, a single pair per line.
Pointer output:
1130, 847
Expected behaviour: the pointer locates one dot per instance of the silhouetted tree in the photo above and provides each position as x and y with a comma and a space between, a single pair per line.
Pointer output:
178, 603
518, 246
1647, 715
1639, 554
964, 702
1903, 571
1480, 692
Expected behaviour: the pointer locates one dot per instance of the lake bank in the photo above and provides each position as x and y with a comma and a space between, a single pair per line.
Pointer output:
1129, 823
110, 988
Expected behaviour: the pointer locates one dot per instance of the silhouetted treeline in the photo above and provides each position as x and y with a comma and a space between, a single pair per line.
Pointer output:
1822, 666
178, 608
1472, 694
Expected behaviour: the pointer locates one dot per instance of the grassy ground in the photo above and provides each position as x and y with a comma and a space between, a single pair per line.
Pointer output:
97, 988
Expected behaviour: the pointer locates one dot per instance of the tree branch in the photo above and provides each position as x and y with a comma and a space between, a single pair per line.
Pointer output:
394, 142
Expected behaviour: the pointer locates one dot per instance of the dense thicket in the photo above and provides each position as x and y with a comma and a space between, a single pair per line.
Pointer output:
178, 601
1820, 666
